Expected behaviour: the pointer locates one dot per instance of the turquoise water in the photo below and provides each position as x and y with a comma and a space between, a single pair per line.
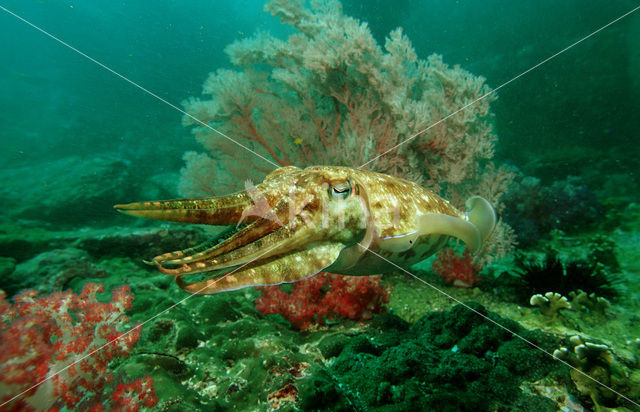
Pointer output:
96, 117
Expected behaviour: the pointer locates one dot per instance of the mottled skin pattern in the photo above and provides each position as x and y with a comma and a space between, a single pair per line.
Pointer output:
300, 222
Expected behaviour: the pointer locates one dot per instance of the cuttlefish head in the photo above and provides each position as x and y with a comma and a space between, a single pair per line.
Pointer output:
298, 223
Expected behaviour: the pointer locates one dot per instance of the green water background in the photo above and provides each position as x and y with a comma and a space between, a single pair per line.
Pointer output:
56, 103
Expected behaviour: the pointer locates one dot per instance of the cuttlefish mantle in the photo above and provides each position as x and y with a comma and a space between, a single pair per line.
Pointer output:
303, 221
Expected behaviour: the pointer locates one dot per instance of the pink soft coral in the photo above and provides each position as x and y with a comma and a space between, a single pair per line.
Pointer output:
325, 297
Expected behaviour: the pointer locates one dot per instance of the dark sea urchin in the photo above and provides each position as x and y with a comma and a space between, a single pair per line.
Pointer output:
554, 275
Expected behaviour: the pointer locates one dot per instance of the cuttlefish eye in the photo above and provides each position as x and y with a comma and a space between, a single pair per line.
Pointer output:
340, 191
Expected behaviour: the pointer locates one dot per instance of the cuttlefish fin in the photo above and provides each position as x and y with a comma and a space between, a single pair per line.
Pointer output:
476, 226
473, 228
287, 268
482, 215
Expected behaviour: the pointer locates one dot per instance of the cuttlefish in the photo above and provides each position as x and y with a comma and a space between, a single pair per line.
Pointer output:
299, 222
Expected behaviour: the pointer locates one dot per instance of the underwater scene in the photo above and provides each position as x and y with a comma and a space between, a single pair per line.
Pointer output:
289, 205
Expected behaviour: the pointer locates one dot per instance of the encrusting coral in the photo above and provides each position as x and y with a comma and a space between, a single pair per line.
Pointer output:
331, 95
447, 361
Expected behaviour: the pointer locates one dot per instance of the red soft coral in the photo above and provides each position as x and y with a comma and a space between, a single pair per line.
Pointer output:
455, 269
128, 396
325, 297
69, 339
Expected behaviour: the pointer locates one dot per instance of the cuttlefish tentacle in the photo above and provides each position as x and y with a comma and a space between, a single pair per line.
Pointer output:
175, 257
179, 257
279, 241
240, 207
304, 221
288, 268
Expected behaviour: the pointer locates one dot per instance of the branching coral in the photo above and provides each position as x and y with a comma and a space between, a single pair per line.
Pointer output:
599, 363
550, 303
591, 303
331, 95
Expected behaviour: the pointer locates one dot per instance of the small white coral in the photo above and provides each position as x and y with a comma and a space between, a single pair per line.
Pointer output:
567, 356
585, 354
550, 303
589, 302
594, 352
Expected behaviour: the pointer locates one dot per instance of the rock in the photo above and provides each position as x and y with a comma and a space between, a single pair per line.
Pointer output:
140, 243
51, 271
71, 190
166, 362
216, 309
174, 335
7, 265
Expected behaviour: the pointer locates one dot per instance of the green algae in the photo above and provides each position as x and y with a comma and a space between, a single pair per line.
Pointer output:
454, 360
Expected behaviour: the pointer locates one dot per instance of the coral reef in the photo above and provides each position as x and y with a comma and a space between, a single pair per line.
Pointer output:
325, 298
327, 94
218, 352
